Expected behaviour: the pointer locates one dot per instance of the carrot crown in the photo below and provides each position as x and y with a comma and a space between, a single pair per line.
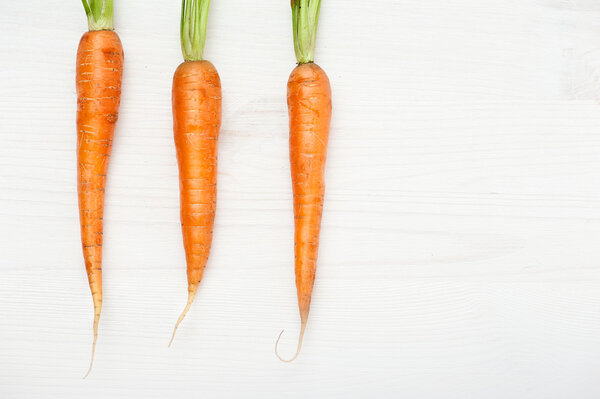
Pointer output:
99, 14
305, 18
194, 14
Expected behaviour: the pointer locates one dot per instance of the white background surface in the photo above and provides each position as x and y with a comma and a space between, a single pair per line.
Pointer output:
460, 244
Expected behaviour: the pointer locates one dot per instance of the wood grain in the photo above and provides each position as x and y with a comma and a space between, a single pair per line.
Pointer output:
459, 253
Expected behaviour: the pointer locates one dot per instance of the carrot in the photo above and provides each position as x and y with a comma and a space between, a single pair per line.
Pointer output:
309, 106
98, 73
196, 123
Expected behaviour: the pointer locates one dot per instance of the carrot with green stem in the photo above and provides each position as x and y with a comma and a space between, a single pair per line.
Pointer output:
196, 123
309, 107
98, 79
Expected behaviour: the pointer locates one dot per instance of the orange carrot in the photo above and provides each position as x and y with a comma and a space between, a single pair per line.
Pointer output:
309, 105
99, 71
196, 123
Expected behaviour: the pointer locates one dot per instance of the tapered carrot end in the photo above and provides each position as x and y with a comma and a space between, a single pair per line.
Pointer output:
96, 322
300, 338
191, 295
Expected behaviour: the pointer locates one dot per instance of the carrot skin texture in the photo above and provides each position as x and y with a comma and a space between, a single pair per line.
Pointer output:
98, 81
196, 124
309, 106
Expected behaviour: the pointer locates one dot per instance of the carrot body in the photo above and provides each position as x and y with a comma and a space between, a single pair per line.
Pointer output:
98, 73
309, 105
196, 123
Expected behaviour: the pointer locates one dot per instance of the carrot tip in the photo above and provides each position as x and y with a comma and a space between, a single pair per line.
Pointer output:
300, 338
191, 295
96, 322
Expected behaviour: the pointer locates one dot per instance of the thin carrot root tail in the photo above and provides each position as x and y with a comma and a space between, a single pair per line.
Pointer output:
191, 295
96, 322
300, 338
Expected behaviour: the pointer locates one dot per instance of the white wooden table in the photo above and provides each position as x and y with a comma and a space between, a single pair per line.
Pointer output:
460, 252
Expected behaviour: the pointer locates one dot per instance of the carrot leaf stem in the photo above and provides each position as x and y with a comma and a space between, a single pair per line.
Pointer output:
305, 18
99, 14
194, 14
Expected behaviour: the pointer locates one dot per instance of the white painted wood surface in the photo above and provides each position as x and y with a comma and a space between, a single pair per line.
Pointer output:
460, 246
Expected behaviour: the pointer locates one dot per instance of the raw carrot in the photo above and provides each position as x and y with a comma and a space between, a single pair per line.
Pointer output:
309, 106
196, 123
98, 73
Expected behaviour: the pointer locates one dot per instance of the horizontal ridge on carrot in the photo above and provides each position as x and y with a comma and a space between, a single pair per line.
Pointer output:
309, 107
196, 123
98, 79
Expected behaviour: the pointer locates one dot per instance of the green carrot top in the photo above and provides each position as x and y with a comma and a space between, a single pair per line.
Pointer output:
194, 14
99, 14
305, 18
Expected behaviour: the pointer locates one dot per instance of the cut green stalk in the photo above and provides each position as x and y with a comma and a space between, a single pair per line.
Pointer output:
305, 18
99, 14
194, 14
